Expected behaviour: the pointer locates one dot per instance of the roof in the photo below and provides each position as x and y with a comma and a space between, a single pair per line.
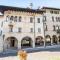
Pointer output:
51, 8
5, 8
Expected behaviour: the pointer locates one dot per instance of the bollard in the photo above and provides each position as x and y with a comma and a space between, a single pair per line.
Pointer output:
22, 55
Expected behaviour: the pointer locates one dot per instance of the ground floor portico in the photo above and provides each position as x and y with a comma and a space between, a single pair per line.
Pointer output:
14, 42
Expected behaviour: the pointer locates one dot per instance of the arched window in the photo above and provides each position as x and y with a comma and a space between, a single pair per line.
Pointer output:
15, 19
20, 19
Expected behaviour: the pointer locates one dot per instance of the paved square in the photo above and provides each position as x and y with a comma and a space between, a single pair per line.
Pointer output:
44, 55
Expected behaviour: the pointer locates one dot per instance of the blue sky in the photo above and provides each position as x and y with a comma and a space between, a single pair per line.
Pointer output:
36, 3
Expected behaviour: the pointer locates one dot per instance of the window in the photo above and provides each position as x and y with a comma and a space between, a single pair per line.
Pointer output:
44, 18
46, 28
20, 19
56, 12
51, 12
0, 32
54, 28
19, 29
38, 20
7, 18
2, 24
52, 18
57, 27
39, 30
15, 19
56, 19
11, 18
10, 28
31, 30
31, 20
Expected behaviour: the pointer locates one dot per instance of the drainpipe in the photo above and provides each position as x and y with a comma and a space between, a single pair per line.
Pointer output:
44, 33
3, 42
34, 32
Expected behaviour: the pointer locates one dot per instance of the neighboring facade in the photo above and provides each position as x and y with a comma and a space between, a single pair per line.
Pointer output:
52, 25
20, 28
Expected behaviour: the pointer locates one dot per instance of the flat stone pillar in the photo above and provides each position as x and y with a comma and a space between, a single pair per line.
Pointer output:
19, 45
33, 44
44, 42
57, 41
1, 44
51, 41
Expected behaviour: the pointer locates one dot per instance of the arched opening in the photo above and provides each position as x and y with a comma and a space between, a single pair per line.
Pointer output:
26, 42
48, 40
54, 39
11, 43
59, 39
39, 41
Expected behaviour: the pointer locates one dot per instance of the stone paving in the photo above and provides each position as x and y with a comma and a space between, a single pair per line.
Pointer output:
44, 55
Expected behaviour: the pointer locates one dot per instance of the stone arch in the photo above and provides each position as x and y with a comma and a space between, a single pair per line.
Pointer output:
11, 42
54, 39
39, 41
26, 42
59, 38
48, 39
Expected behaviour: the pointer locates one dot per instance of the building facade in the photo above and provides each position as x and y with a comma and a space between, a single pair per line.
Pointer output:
20, 28
52, 25
28, 28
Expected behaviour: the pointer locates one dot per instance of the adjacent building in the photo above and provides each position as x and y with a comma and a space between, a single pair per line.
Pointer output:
52, 25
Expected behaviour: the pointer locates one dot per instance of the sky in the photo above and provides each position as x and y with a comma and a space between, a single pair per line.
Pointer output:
36, 3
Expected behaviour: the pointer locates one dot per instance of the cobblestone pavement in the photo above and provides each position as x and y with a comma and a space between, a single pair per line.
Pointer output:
44, 55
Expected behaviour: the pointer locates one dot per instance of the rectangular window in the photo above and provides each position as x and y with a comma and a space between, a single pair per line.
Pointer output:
19, 29
56, 12
39, 30
0, 32
2, 24
31, 29
15, 19
52, 18
54, 28
51, 12
31, 20
10, 28
38, 20
11, 18
20, 19
44, 18
46, 28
